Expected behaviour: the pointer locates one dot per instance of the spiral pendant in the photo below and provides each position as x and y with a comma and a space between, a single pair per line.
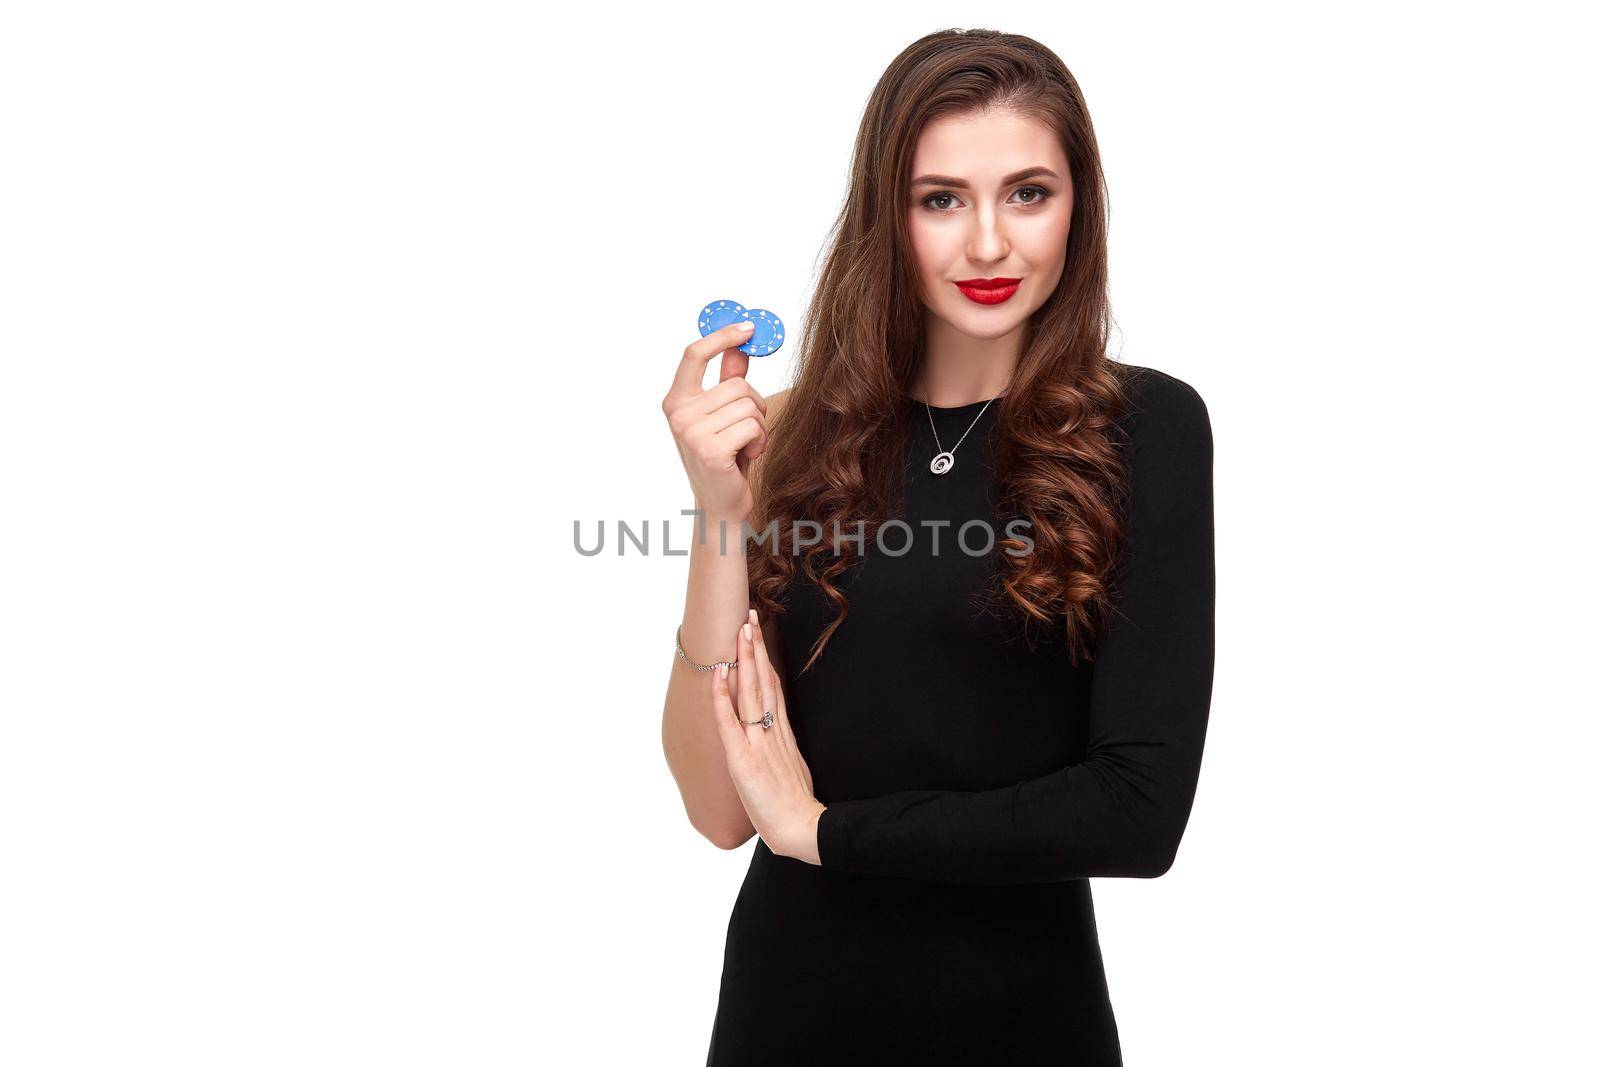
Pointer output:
942, 462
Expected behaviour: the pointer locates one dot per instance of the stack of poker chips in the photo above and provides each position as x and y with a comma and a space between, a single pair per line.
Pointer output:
765, 339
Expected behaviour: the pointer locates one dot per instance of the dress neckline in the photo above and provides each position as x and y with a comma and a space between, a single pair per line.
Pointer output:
971, 408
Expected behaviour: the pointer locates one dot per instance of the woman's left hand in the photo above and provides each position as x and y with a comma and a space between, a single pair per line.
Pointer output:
765, 764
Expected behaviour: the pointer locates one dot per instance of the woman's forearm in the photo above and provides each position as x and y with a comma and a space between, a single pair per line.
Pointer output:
715, 606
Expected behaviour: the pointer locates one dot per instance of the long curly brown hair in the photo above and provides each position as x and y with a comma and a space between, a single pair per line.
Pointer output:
834, 446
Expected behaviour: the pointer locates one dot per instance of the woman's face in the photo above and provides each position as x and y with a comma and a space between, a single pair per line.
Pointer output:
991, 198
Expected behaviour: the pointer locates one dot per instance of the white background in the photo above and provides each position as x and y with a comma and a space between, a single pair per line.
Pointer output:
323, 322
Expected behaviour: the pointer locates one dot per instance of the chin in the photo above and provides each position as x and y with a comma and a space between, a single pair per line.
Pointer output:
986, 325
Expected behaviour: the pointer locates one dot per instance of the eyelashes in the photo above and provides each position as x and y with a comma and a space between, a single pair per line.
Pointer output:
1042, 194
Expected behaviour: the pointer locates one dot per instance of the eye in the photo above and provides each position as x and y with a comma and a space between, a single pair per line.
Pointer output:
928, 201
1042, 194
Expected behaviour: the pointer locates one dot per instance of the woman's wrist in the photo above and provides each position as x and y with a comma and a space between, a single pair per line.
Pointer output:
720, 527
803, 845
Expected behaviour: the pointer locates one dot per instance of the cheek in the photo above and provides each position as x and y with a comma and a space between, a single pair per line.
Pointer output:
924, 243
933, 248
1047, 241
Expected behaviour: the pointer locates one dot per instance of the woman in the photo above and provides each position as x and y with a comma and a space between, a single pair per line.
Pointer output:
941, 737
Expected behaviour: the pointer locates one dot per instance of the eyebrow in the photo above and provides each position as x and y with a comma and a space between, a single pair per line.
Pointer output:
961, 183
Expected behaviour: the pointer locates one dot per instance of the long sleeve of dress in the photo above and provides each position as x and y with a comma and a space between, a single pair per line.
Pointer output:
1121, 811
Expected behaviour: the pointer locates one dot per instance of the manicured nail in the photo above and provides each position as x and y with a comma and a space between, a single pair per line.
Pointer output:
746, 325
747, 636
722, 669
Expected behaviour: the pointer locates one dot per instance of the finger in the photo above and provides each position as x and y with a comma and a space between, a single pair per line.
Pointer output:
691, 374
719, 395
769, 672
728, 728
728, 414
738, 387
740, 434
700, 411
769, 699
735, 364
749, 697
752, 451
739, 438
756, 449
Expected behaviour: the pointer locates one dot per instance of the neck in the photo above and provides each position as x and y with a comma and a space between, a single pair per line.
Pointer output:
959, 369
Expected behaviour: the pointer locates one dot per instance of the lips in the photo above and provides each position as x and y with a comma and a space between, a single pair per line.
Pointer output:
989, 290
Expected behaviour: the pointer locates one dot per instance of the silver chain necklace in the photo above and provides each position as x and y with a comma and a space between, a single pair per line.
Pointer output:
947, 458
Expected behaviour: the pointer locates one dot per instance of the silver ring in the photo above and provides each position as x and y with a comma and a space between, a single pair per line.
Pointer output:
765, 722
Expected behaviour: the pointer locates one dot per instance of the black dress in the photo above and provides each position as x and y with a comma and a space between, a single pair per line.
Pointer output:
974, 786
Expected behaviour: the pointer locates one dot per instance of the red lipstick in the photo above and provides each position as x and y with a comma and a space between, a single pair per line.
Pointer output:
989, 290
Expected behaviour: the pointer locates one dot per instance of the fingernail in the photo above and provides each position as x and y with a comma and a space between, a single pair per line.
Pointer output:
722, 669
754, 617
747, 632
747, 325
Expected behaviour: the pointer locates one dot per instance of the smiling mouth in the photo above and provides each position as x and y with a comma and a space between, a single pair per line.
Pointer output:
989, 290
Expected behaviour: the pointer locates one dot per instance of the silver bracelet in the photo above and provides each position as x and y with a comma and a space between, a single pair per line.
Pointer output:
698, 666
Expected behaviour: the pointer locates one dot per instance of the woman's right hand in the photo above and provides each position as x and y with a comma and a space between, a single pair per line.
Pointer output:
719, 430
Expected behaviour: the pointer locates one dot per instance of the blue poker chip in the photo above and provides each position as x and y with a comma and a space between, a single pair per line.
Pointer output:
719, 313
765, 339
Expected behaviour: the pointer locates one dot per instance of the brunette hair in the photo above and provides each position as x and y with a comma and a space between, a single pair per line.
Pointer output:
834, 447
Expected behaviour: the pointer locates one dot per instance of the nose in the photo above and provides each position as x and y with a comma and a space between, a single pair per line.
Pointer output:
987, 241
